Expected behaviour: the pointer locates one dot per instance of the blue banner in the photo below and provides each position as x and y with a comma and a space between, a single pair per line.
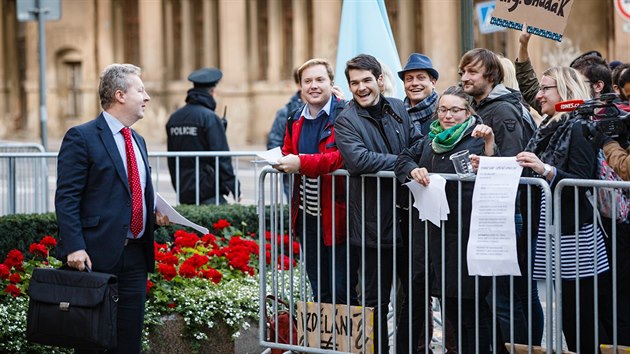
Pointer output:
365, 29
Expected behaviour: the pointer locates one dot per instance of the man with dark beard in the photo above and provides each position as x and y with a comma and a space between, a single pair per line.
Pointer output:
500, 108
196, 127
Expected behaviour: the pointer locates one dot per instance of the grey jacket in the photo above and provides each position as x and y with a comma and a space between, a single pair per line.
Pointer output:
370, 146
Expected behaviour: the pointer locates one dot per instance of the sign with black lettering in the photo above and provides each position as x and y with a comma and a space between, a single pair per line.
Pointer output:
545, 18
327, 327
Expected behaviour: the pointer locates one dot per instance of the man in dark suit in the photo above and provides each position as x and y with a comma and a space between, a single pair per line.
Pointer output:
105, 199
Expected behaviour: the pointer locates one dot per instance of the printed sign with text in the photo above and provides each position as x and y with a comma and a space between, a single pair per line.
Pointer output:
545, 18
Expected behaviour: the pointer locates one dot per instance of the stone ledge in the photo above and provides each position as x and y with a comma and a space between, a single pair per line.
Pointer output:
167, 339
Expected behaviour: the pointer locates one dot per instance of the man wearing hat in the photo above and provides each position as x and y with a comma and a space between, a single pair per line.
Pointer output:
419, 79
196, 127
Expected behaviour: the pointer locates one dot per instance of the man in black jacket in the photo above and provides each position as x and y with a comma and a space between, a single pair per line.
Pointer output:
195, 127
370, 132
501, 109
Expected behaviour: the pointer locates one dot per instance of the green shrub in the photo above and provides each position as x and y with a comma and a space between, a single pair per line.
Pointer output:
21, 230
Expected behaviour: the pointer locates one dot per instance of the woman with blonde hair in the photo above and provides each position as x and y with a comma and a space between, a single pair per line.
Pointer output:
559, 150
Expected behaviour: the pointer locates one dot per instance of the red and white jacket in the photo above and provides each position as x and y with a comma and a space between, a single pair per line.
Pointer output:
313, 165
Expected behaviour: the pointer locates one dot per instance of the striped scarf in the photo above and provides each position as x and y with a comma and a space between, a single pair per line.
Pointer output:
423, 111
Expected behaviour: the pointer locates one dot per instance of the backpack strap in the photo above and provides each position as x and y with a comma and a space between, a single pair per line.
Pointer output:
293, 116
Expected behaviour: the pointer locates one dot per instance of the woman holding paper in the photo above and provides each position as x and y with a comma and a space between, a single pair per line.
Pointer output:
456, 129
560, 150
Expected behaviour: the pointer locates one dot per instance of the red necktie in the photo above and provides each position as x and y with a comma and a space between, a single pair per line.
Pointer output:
134, 184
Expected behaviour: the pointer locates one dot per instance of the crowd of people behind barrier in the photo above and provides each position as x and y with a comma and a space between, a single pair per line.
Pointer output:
499, 108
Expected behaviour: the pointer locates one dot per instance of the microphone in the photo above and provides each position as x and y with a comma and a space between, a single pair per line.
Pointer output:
568, 106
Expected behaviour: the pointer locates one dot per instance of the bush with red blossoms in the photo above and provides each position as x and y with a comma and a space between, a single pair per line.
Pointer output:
15, 274
282, 249
203, 278
221, 224
16, 269
192, 259
209, 277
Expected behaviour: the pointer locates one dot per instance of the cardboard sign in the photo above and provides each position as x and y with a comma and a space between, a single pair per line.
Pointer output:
524, 349
320, 324
545, 18
609, 349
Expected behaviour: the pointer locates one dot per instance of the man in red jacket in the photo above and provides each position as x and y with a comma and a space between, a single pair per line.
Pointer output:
310, 150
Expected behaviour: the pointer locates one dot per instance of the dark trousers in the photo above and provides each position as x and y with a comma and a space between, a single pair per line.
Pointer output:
322, 267
131, 270
373, 290
519, 313
448, 334
622, 265
411, 268
468, 335
587, 314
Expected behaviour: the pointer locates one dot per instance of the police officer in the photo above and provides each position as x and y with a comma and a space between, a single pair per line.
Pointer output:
196, 127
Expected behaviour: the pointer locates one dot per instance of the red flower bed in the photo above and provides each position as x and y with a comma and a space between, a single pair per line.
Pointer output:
15, 270
214, 258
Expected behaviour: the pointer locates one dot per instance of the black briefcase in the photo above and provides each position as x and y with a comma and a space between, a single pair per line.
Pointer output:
72, 309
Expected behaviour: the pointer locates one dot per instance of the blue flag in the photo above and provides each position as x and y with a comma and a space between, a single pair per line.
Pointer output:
365, 29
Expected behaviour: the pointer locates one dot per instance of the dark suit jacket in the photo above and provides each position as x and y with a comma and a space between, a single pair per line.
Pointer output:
93, 200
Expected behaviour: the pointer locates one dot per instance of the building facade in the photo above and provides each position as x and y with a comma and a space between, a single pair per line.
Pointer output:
256, 43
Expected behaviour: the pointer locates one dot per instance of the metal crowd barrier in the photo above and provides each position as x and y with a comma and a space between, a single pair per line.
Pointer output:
245, 172
610, 312
327, 327
24, 180
28, 177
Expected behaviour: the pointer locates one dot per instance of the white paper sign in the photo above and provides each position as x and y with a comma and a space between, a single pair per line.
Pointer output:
492, 242
270, 156
430, 200
173, 216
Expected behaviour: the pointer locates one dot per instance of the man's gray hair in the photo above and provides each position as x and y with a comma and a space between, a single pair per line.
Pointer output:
114, 78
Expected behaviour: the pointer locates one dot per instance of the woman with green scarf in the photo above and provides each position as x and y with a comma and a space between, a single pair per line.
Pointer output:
457, 128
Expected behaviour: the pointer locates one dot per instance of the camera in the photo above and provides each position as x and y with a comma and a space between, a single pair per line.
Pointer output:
604, 115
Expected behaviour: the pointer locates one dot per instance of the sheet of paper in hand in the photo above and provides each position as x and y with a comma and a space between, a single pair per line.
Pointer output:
270, 157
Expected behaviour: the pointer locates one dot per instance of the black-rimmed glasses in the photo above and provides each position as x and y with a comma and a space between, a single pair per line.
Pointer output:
453, 110
544, 89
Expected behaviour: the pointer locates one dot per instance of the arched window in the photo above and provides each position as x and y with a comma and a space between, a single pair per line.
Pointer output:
69, 83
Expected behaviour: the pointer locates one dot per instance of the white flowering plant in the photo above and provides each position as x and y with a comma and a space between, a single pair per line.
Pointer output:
15, 274
209, 279
204, 279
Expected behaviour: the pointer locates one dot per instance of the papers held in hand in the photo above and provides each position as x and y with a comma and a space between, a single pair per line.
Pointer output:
163, 207
270, 157
425, 199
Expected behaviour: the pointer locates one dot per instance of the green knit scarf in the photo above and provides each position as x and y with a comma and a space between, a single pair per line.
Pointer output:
445, 140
